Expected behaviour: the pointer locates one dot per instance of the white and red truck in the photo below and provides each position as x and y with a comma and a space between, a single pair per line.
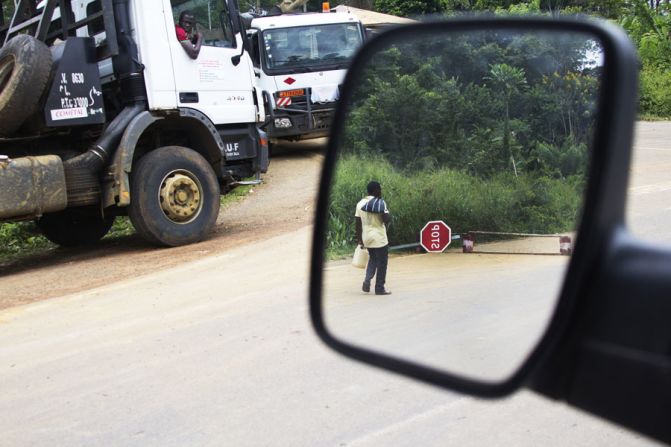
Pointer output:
299, 62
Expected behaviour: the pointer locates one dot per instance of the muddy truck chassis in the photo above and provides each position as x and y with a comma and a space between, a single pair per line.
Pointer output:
103, 114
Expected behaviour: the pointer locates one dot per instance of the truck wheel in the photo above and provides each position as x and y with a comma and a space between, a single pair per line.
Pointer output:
25, 66
75, 226
174, 196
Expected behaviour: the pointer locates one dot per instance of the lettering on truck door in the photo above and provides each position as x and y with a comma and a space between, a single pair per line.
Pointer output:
211, 83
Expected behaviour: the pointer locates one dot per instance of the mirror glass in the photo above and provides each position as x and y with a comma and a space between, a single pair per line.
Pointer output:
479, 143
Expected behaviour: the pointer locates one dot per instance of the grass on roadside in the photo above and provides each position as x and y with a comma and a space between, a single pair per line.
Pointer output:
647, 117
21, 239
235, 195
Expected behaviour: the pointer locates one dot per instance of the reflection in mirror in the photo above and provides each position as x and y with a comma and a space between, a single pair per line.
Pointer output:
488, 132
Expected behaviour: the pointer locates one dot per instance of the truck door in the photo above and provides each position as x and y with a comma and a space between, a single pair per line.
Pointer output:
212, 83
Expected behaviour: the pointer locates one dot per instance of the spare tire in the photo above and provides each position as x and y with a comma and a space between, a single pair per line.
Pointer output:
25, 67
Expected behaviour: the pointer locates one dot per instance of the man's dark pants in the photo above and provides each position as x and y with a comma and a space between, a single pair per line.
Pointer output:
377, 266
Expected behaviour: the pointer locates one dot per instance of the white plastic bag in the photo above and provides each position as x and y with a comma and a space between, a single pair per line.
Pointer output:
360, 258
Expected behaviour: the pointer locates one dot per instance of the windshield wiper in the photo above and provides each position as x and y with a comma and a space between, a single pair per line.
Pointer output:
299, 69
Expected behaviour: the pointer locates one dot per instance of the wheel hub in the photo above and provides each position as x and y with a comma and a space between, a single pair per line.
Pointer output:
180, 197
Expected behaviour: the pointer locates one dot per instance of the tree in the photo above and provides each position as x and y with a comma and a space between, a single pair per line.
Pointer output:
361, 4
611, 9
507, 81
408, 8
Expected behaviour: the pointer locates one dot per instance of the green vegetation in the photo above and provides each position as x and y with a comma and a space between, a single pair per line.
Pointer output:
649, 26
121, 227
648, 23
235, 195
21, 238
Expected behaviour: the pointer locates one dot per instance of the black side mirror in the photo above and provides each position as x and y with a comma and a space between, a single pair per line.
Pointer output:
235, 60
238, 25
236, 20
505, 145
233, 15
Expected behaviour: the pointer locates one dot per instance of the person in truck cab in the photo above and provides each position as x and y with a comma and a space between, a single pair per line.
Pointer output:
191, 42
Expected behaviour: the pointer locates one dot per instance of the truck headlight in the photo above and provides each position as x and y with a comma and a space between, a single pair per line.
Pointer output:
283, 123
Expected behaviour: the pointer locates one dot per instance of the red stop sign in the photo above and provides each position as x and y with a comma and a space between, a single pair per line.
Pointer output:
435, 236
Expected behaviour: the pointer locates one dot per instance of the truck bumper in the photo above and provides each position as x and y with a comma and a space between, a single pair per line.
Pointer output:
299, 121
303, 126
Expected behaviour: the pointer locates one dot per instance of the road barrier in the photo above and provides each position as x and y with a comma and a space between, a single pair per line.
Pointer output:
469, 239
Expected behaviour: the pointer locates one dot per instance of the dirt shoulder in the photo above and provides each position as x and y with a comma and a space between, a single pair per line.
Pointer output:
283, 203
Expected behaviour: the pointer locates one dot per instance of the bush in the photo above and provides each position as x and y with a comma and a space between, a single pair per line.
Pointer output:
655, 99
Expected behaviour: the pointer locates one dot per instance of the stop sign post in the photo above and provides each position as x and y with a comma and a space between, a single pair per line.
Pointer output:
435, 236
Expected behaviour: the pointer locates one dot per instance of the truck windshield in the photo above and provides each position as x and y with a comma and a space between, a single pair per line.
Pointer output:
308, 48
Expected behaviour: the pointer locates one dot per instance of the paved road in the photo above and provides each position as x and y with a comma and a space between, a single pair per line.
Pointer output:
203, 355
649, 208
477, 315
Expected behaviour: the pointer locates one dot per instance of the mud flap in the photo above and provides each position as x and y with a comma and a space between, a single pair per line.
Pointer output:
248, 146
263, 156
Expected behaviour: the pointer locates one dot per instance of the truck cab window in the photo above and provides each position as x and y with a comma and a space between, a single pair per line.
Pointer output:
256, 57
212, 21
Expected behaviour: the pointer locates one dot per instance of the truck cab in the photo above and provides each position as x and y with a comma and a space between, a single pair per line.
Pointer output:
117, 119
299, 62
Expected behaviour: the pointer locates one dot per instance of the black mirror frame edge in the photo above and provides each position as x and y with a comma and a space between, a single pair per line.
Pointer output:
603, 216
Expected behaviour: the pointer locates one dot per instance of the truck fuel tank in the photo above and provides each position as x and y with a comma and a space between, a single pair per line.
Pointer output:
31, 186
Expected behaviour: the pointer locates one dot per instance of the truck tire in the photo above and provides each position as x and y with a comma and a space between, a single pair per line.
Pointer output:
75, 226
25, 67
174, 196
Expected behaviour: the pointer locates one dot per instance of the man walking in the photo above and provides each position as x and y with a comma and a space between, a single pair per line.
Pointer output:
372, 216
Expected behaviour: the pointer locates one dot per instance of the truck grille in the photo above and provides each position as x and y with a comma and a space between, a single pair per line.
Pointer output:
321, 120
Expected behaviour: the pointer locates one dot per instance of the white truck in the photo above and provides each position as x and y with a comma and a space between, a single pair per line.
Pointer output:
300, 61
102, 113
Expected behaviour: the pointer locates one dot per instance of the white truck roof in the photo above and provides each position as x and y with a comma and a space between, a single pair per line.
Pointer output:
305, 19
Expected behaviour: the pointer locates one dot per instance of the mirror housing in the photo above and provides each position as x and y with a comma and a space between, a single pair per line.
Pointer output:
550, 367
